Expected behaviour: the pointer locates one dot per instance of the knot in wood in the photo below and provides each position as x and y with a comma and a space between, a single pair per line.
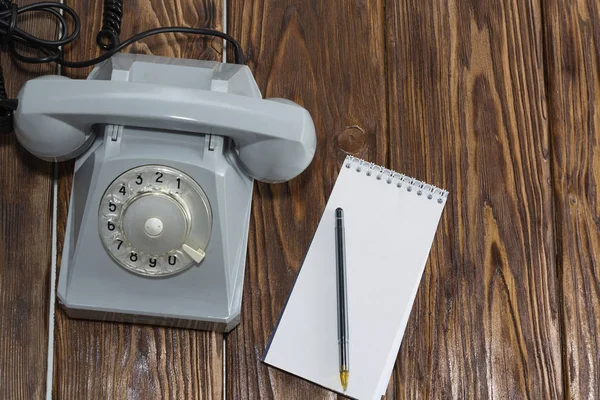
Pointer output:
352, 139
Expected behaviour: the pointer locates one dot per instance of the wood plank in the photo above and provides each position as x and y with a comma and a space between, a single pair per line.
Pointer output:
573, 65
25, 243
329, 57
113, 360
468, 113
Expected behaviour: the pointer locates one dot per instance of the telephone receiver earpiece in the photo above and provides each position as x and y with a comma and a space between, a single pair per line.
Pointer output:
275, 138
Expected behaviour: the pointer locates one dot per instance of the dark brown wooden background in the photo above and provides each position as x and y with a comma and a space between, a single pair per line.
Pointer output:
497, 101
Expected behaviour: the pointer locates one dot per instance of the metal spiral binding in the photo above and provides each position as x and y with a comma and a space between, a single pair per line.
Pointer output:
402, 181
108, 37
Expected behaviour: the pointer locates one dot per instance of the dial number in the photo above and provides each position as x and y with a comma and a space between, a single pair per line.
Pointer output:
133, 256
139, 180
118, 247
159, 177
123, 191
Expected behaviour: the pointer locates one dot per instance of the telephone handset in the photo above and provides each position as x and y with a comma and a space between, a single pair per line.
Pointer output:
275, 138
167, 150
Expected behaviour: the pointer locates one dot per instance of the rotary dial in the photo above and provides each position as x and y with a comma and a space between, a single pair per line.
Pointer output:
155, 221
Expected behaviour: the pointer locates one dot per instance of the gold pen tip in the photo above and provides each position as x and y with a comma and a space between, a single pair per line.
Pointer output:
344, 379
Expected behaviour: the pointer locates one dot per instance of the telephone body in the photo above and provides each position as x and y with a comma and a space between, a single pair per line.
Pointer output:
167, 150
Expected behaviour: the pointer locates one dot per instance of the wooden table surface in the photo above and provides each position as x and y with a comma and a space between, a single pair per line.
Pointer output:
496, 101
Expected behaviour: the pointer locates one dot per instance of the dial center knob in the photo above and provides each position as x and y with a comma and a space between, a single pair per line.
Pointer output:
155, 223
153, 226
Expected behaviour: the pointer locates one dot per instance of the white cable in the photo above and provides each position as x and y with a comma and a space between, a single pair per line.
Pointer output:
50, 358
224, 367
52, 305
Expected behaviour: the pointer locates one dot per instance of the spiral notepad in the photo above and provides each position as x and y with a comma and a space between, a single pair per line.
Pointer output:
390, 222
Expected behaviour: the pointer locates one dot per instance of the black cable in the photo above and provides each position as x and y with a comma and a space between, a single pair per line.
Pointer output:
7, 107
239, 55
50, 50
108, 37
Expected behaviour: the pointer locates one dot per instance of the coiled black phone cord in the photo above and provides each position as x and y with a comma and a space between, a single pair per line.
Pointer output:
52, 50
108, 37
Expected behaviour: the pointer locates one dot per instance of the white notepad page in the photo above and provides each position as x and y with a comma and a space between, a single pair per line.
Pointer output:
389, 231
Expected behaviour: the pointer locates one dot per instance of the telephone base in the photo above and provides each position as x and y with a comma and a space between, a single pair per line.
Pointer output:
96, 282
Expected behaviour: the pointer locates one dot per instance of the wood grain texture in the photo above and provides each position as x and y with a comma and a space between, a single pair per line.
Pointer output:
450, 92
125, 361
25, 244
327, 56
573, 65
467, 105
141, 15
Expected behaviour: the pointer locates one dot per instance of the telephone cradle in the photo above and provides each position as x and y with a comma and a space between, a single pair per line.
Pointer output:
166, 154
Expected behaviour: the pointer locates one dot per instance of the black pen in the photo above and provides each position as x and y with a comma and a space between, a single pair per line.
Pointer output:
342, 297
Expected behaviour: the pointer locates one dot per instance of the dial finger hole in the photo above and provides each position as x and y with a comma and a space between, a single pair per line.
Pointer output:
173, 261
118, 247
121, 191
175, 185
152, 264
133, 257
159, 180
111, 206
109, 227
138, 181
178, 185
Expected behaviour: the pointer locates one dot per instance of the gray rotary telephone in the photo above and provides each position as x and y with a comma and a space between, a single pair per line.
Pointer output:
167, 151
